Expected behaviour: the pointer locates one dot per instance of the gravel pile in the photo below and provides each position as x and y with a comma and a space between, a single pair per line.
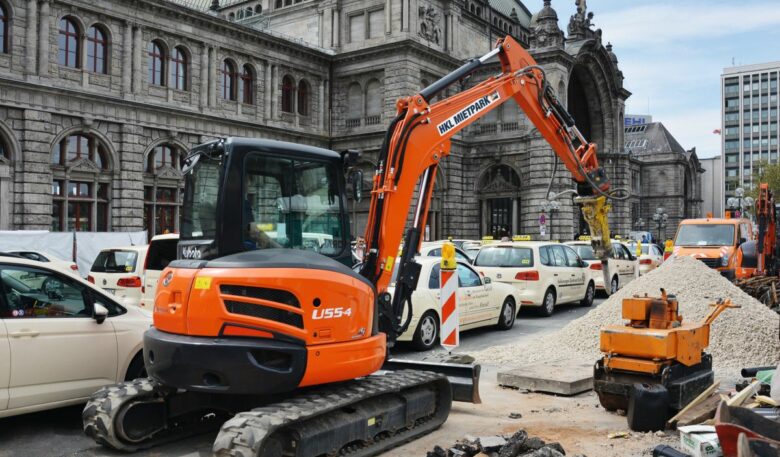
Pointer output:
741, 337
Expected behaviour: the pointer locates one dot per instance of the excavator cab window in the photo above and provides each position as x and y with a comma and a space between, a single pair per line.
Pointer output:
199, 216
291, 203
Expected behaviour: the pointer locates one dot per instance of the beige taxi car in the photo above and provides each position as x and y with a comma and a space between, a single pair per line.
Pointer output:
544, 274
161, 252
650, 256
480, 303
623, 265
120, 272
61, 338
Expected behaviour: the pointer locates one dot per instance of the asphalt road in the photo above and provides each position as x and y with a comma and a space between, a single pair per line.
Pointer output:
57, 433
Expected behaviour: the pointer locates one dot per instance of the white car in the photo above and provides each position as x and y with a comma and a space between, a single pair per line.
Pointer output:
623, 266
47, 257
433, 249
61, 338
545, 274
120, 272
650, 258
161, 251
480, 303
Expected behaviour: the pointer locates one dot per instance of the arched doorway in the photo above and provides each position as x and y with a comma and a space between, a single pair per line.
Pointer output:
499, 192
584, 104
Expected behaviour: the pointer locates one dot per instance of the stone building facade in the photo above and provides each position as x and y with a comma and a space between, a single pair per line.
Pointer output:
99, 101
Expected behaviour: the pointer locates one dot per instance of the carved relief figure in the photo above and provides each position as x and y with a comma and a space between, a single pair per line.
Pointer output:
429, 24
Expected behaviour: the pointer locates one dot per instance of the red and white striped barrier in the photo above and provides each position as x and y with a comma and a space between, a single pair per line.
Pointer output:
450, 325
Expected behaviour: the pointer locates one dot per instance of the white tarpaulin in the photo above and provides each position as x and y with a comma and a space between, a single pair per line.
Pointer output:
89, 245
57, 243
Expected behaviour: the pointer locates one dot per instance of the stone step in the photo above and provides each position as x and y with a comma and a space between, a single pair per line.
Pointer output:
563, 377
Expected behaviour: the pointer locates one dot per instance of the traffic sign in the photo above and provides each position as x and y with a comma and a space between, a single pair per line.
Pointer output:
542, 219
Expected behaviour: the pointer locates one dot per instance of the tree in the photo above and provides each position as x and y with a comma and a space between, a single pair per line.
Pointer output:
765, 172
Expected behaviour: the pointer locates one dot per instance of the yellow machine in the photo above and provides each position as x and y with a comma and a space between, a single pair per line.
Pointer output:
654, 349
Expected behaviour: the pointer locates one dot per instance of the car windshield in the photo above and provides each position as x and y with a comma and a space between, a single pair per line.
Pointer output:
705, 235
115, 262
645, 248
504, 256
585, 251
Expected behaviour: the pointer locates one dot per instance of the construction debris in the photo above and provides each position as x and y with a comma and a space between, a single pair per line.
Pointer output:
517, 445
765, 289
742, 337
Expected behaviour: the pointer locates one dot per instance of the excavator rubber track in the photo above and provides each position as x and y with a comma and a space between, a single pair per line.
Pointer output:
359, 418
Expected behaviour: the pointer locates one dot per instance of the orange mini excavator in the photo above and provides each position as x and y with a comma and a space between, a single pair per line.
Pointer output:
262, 319
655, 363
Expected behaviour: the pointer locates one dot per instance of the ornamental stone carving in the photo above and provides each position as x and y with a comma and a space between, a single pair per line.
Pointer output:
429, 24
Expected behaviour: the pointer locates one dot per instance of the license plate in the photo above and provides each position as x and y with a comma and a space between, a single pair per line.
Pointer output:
111, 291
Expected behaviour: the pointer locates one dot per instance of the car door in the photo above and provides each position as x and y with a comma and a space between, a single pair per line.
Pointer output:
561, 273
478, 296
5, 365
630, 265
58, 351
577, 274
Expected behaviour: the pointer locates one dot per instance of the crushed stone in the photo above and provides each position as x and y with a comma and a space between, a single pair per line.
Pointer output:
740, 337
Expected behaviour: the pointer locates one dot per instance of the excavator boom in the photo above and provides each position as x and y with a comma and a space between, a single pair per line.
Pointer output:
419, 138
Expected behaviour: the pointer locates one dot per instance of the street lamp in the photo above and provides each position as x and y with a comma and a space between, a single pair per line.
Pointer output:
740, 202
660, 217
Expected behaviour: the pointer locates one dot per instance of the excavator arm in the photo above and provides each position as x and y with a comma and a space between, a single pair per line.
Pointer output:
765, 215
419, 138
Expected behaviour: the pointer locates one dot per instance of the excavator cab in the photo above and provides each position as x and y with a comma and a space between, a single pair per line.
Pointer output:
244, 195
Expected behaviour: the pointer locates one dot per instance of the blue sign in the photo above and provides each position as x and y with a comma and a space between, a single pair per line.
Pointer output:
637, 119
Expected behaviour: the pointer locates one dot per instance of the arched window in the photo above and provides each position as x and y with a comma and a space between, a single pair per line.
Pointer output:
162, 188
80, 186
288, 89
354, 105
240, 14
179, 64
5, 30
229, 80
162, 156
278, 4
248, 84
97, 50
373, 102
232, 17
156, 63
258, 9
249, 12
304, 93
69, 43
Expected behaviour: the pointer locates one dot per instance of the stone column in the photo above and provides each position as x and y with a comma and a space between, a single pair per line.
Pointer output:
213, 77
204, 77
138, 46
388, 17
406, 15
274, 95
32, 37
127, 59
323, 108
336, 28
43, 40
327, 28
33, 208
127, 203
267, 97
515, 216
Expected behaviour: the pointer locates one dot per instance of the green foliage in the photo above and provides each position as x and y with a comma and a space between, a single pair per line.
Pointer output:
768, 173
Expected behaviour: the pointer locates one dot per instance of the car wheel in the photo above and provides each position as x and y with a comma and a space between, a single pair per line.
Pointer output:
548, 304
136, 369
427, 332
508, 313
613, 285
590, 293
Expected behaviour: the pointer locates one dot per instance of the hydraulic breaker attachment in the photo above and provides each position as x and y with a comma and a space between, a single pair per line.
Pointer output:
595, 210
463, 378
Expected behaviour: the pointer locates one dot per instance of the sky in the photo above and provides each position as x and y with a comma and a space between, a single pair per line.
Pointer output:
672, 53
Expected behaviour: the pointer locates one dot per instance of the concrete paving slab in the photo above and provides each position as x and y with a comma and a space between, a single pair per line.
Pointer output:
563, 377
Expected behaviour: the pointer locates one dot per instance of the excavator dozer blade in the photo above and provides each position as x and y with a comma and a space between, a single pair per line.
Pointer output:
464, 378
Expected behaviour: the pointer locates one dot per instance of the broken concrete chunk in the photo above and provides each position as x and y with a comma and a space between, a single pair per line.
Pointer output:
531, 444
556, 446
437, 452
491, 443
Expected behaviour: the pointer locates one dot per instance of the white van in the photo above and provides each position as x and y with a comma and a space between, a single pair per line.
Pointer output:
120, 271
162, 250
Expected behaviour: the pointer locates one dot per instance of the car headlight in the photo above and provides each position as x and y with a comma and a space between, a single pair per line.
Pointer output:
724, 261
